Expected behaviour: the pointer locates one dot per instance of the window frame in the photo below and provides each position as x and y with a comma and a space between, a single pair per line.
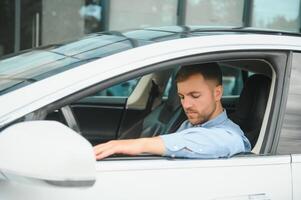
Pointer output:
277, 59
287, 93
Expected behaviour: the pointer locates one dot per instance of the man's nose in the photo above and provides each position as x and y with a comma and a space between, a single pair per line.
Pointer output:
186, 103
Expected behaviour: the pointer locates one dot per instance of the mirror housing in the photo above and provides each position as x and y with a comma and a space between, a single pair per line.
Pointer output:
46, 152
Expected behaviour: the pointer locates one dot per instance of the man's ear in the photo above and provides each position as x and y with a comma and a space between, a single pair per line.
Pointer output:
218, 92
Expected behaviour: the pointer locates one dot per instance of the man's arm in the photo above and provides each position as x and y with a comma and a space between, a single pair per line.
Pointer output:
202, 143
153, 145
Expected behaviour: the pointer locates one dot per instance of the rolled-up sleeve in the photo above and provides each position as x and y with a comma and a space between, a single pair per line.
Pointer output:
199, 142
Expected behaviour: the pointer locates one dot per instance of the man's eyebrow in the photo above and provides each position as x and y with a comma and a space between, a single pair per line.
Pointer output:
189, 93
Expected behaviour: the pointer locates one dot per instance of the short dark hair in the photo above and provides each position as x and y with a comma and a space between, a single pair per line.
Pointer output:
210, 71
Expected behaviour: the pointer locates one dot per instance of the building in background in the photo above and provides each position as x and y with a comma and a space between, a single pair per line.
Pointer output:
30, 23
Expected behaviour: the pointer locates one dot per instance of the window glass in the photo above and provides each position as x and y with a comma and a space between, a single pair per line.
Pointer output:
123, 89
148, 34
214, 12
87, 44
290, 138
232, 81
276, 14
23, 69
146, 13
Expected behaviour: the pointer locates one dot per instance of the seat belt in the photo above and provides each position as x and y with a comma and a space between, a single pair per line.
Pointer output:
154, 93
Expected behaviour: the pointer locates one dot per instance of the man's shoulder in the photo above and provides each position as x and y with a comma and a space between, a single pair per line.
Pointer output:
185, 125
231, 126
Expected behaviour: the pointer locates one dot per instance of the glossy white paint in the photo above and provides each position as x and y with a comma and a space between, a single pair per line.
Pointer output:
91, 73
296, 176
250, 177
174, 179
46, 151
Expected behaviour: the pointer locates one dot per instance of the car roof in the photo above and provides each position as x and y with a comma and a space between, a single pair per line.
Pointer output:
80, 77
157, 34
144, 36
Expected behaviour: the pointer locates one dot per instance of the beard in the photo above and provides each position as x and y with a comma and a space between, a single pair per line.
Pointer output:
195, 117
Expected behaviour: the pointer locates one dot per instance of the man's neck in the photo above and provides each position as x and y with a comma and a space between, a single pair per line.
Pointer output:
218, 110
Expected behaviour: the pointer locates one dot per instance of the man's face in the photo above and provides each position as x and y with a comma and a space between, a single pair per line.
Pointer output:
199, 98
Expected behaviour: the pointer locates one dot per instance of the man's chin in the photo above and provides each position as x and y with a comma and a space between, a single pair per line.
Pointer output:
194, 121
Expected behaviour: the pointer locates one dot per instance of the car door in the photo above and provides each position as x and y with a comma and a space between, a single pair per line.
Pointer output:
250, 177
296, 175
261, 175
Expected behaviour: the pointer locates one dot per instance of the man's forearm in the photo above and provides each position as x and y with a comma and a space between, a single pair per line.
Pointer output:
131, 147
153, 145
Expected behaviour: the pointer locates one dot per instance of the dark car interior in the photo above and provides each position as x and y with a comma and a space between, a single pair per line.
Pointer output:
102, 117
251, 106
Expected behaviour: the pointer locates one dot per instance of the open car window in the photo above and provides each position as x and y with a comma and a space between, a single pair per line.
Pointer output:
153, 107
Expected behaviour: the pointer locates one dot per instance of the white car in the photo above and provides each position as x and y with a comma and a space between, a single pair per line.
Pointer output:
58, 101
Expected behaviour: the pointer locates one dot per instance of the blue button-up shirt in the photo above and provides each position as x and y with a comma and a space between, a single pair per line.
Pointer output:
218, 137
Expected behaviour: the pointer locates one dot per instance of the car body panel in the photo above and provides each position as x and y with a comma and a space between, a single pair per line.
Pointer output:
296, 175
176, 179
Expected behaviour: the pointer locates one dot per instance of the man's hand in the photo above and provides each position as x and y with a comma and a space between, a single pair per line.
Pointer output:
153, 145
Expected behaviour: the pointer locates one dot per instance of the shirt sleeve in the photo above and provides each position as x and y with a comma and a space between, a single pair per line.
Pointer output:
199, 142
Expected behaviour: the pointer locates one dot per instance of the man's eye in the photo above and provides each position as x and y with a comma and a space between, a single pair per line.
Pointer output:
195, 96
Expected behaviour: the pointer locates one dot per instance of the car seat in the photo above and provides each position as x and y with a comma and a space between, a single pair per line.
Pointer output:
251, 106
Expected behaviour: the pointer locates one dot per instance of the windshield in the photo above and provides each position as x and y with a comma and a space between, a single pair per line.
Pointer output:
23, 69
26, 68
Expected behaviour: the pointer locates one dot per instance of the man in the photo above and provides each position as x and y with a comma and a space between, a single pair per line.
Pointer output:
208, 132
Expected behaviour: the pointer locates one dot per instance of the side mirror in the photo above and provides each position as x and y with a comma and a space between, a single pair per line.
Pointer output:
46, 152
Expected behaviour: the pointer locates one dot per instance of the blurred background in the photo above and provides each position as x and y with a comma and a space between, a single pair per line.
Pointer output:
31, 23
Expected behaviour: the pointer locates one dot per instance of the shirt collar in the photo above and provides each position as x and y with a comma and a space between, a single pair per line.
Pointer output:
215, 121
